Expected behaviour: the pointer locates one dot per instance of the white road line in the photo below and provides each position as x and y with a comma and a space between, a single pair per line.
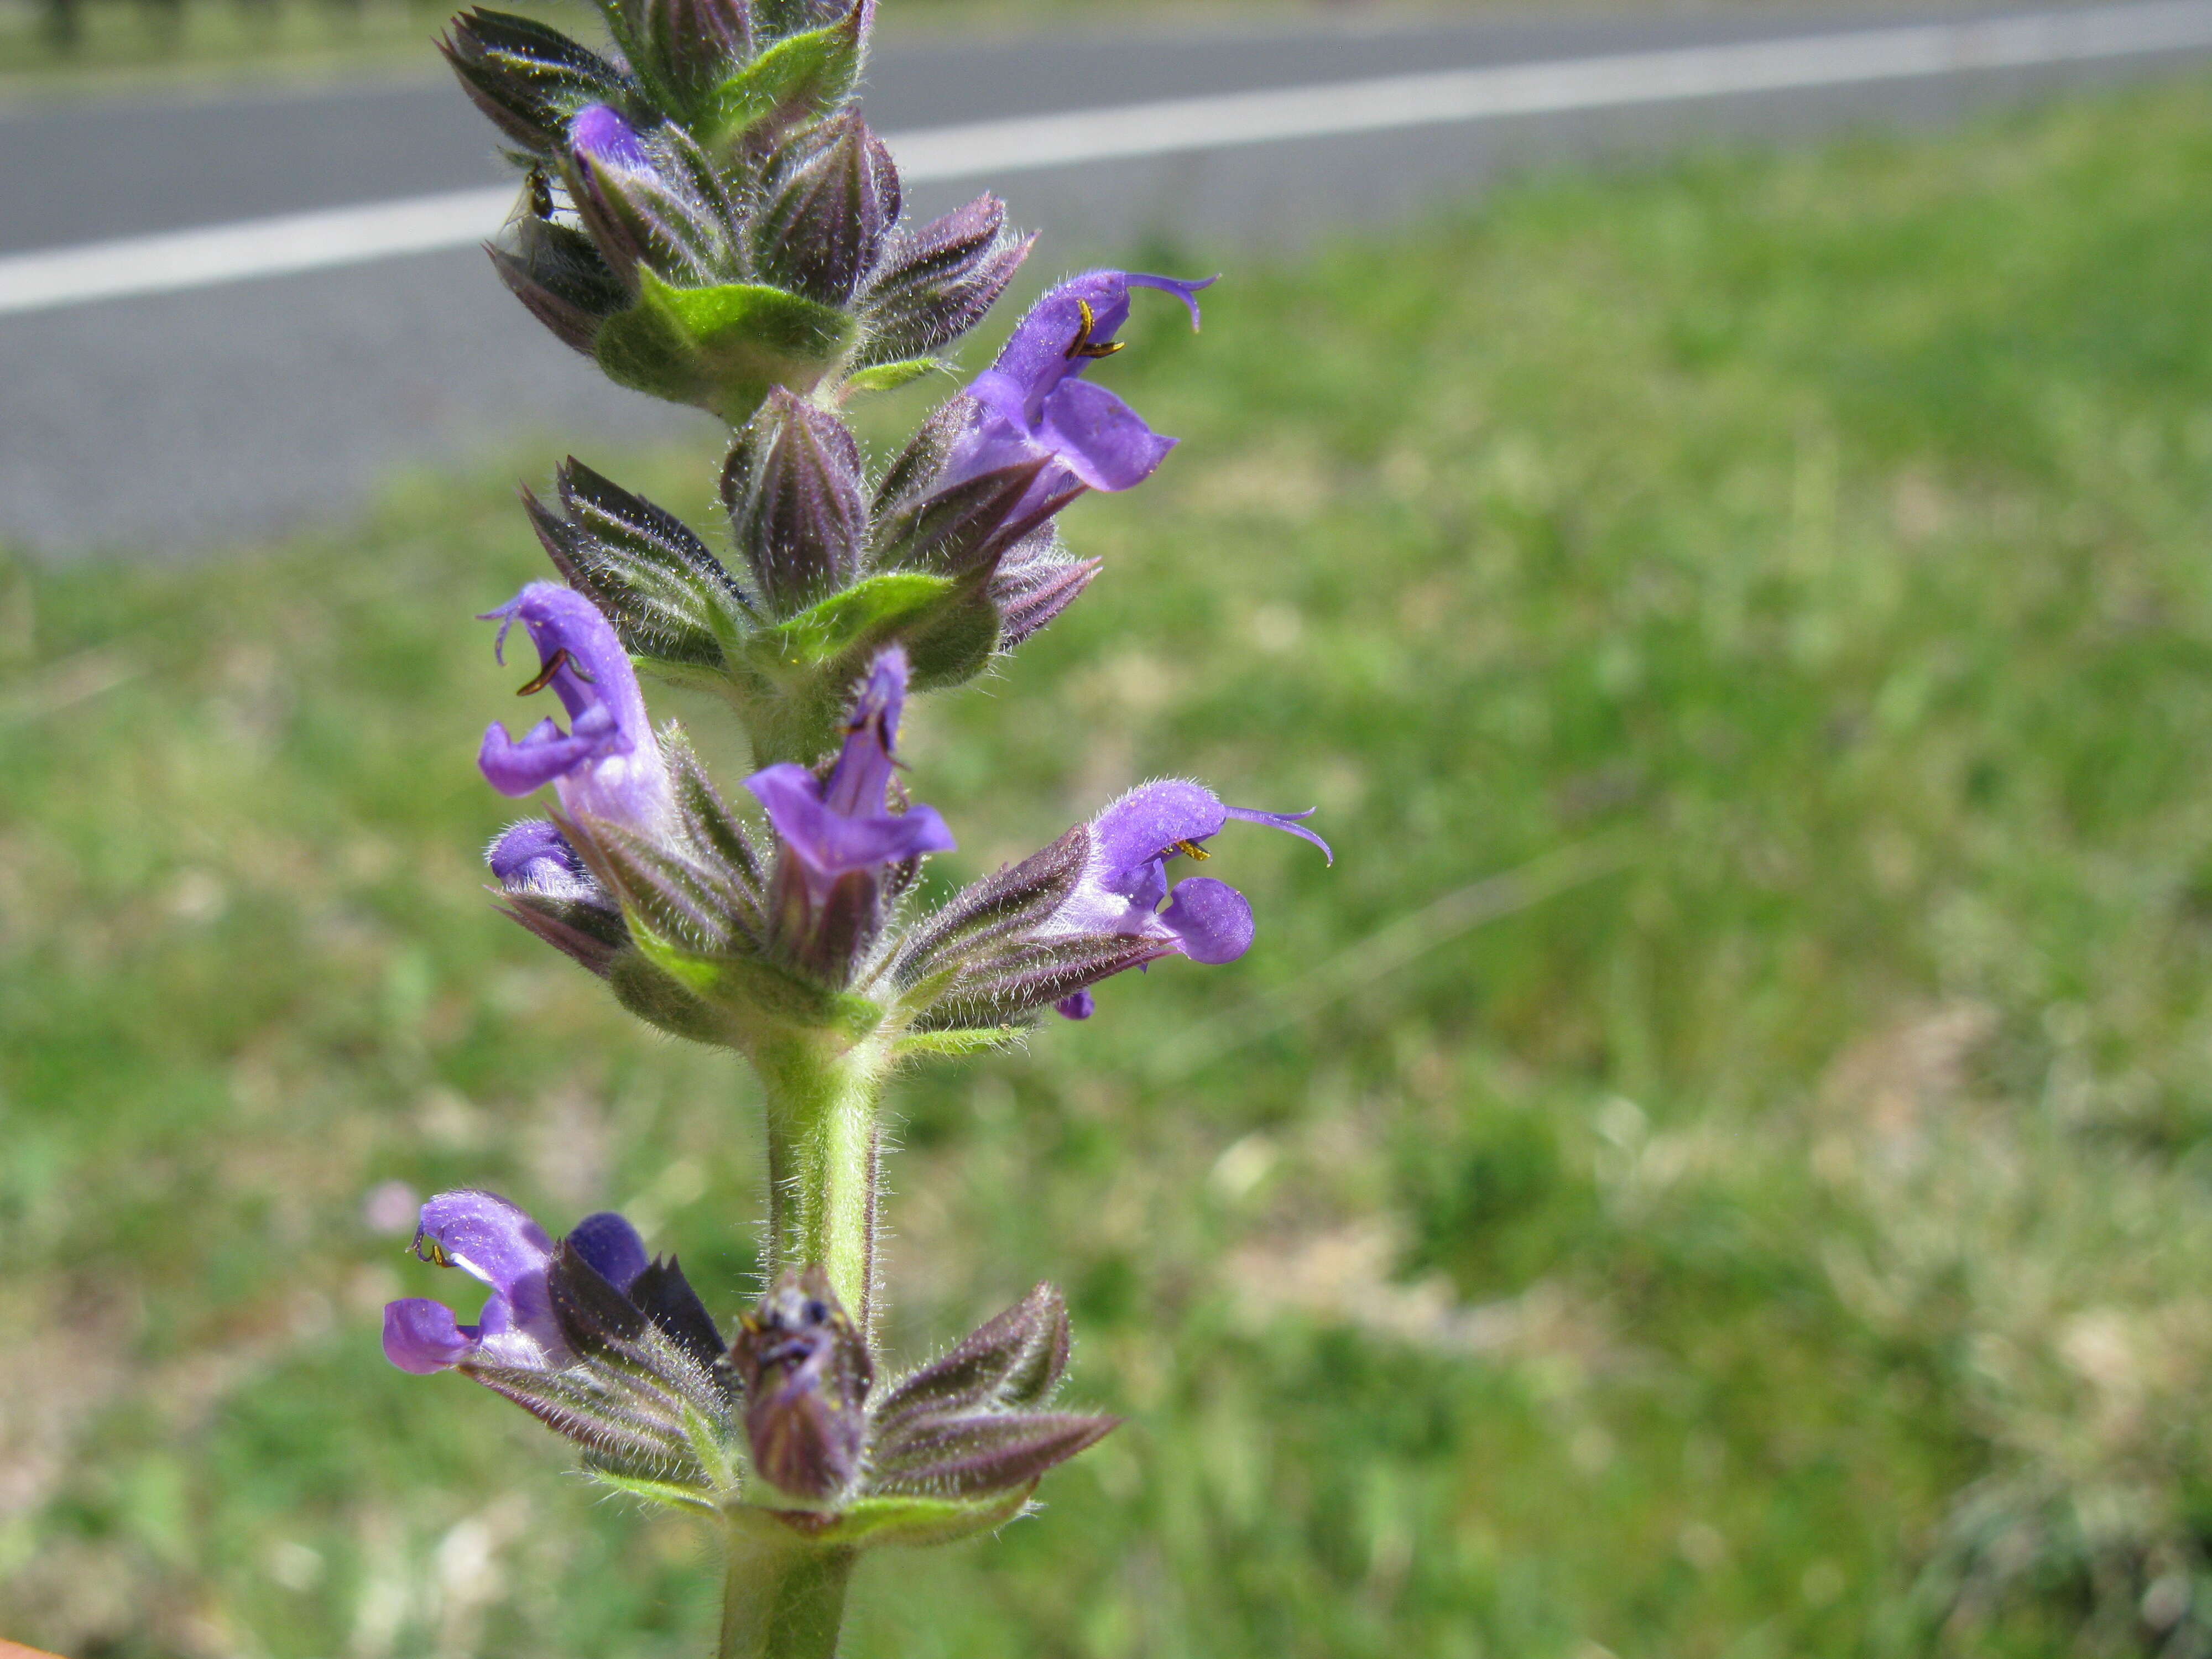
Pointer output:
54, 278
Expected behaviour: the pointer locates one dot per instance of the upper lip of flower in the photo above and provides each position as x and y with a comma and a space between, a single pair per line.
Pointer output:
1133, 838
607, 759
1063, 334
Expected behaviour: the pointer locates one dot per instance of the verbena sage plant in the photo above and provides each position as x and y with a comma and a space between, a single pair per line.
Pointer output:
705, 215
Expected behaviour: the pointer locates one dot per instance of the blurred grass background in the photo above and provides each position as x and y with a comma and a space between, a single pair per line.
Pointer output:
1782, 1229
48, 45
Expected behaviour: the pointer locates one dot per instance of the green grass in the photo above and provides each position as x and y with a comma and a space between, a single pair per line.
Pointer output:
1791, 1237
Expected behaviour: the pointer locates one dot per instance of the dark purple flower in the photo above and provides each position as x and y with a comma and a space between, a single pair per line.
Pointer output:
1033, 405
844, 825
496, 1241
1125, 877
606, 765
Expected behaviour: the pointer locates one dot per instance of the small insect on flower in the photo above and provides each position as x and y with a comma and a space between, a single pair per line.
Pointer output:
806, 1371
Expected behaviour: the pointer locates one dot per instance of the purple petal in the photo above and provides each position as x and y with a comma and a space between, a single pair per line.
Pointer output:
598, 672
524, 848
1143, 825
1104, 441
486, 1237
829, 843
1284, 820
421, 1336
1036, 359
535, 857
1212, 920
611, 1247
545, 753
862, 776
1080, 1005
600, 132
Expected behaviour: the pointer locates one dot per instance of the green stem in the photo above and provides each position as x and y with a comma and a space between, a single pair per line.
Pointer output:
822, 1147
782, 1598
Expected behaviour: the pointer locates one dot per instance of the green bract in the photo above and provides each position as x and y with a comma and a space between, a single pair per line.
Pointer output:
721, 347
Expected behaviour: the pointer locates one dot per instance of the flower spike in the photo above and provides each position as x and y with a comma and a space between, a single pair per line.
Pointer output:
705, 214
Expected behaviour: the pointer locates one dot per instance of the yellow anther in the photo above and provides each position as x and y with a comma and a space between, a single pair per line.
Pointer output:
1191, 849
1081, 345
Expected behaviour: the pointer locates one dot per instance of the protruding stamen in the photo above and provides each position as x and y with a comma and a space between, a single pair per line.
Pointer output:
1081, 345
1191, 849
428, 1250
554, 663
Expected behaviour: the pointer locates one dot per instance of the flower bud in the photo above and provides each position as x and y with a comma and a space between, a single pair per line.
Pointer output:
549, 890
696, 44
965, 1425
807, 74
529, 78
1030, 591
792, 489
559, 276
937, 282
648, 202
805, 1370
669, 599
833, 198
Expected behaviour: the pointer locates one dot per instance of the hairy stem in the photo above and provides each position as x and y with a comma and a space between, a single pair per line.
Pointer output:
823, 1147
782, 1598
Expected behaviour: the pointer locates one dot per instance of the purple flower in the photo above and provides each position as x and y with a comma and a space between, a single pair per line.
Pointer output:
839, 837
606, 765
844, 826
496, 1241
600, 132
1125, 877
1032, 404
534, 857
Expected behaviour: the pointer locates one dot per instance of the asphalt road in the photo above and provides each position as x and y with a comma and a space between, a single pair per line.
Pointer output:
163, 424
